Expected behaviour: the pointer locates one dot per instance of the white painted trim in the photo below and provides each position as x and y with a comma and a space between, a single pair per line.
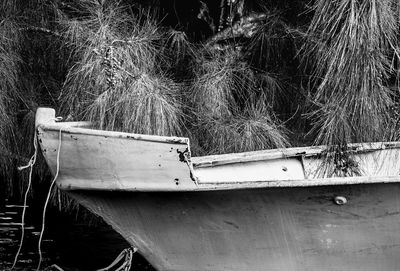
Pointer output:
231, 158
45, 118
242, 185
45, 121
300, 183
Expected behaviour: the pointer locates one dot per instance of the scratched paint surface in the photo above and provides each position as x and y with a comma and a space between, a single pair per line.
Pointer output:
260, 229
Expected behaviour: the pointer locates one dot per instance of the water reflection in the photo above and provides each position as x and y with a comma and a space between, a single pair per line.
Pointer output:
73, 243
10, 234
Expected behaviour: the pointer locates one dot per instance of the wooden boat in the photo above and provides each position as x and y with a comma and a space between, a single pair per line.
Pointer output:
264, 210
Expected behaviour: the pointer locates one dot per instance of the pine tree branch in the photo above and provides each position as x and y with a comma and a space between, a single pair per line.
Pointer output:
243, 28
40, 29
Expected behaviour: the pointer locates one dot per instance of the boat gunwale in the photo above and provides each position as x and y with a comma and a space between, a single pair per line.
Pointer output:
47, 122
231, 158
212, 160
81, 128
77, 128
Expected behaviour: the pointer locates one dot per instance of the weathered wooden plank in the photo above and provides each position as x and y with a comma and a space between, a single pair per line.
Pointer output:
45, 119
264, 170
379, 163
230, 158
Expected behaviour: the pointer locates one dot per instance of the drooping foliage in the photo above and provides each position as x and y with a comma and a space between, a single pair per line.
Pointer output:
31, 71
227, 74
137, 95
231, 107
9, 89
352, 49
116, 80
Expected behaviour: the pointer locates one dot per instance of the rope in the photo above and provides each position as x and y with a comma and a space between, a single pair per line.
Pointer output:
47, 201
30, 164
127, 255
52, 267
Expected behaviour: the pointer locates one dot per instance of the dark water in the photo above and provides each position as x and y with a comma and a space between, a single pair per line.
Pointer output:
71, 241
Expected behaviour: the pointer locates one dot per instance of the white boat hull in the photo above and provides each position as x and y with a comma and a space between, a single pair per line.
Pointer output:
267, 210
270, 229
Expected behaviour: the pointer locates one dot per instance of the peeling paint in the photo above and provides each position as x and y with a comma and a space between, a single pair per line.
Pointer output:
184, 156
175, 140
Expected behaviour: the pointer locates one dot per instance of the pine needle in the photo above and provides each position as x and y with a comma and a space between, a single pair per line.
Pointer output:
9, 91
352, 67
231, 106
250, 131
116, 81
350, 47
270, 46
